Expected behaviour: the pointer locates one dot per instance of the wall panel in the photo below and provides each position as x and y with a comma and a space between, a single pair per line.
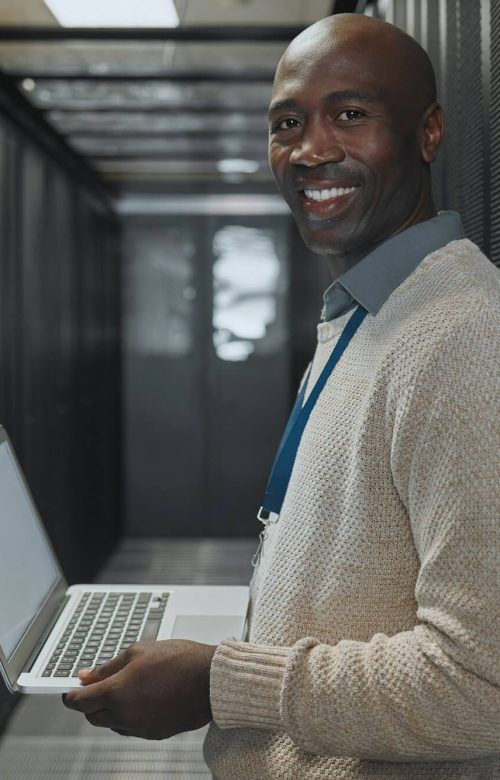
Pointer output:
494, 116
462, 38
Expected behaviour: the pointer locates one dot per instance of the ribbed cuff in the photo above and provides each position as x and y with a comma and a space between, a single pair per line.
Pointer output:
245, 685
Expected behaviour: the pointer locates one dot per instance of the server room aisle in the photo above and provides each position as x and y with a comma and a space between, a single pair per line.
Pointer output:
45, 741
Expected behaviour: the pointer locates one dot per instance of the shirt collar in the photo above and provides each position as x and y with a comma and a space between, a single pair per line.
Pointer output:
372, 280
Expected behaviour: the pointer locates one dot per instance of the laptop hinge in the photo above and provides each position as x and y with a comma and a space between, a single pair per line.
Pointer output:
43, 638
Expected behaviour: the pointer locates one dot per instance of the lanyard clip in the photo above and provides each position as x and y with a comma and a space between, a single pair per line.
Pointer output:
266, 517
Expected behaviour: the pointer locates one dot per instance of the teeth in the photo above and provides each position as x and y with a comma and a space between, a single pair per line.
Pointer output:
334, 192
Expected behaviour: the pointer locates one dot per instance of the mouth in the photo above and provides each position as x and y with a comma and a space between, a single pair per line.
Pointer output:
324, 202
321, 194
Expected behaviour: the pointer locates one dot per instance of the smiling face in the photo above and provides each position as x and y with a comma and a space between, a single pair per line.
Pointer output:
351, 135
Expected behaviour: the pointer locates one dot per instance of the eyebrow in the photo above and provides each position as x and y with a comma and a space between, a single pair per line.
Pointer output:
332, 97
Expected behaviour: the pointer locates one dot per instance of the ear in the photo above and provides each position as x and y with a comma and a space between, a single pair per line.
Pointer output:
431, 132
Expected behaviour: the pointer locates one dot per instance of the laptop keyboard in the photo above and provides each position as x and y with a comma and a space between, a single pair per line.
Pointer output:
103, 625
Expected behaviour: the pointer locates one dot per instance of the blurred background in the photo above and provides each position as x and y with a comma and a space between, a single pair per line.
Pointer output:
157, 306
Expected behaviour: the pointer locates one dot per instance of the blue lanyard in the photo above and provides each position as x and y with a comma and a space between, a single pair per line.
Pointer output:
287, 450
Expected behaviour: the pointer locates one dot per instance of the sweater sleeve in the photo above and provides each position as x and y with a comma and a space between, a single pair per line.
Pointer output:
433, 692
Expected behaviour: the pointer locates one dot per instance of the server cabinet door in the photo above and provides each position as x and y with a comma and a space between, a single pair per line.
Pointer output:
206, 370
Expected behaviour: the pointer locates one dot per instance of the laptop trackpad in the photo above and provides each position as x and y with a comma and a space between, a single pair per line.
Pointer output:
210, 629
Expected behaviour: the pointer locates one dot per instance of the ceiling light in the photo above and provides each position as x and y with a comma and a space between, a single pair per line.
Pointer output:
114, 13
233, 165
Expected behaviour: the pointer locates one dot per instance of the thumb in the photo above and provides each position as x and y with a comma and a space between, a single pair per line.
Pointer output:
93, 675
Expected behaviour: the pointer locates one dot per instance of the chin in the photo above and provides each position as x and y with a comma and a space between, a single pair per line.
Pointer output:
322, 246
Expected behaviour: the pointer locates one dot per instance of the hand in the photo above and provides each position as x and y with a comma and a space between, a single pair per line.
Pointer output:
152, 690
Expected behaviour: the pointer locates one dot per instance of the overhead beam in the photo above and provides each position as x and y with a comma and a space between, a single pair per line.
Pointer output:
244, 77
195, 154
345, 7
216, 33
200, 108
131, 135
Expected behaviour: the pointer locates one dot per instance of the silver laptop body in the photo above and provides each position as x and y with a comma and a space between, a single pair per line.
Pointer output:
48, 631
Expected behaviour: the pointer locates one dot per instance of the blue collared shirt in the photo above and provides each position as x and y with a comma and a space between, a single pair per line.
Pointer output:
371, 281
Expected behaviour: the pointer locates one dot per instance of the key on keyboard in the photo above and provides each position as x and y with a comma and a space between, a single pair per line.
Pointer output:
102, 625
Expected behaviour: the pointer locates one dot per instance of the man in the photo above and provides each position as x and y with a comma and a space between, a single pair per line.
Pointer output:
374, 643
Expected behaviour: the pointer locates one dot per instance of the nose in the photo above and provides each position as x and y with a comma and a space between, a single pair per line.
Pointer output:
318, 144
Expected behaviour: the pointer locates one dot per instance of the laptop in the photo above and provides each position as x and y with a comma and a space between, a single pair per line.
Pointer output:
48, 631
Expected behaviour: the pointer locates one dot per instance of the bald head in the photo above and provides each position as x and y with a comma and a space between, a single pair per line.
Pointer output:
406, 67
354, 126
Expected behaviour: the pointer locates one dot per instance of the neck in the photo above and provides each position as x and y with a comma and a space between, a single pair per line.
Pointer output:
340, 262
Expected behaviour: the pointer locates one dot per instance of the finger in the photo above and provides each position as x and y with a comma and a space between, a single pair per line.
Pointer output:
93, 696
102, 719
122, 732
93, 675
89, 699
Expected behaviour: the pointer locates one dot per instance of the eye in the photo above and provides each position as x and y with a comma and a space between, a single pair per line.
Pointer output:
350, 115
289, 123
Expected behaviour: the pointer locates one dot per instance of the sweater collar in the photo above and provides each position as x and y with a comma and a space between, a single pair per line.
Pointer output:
372, 280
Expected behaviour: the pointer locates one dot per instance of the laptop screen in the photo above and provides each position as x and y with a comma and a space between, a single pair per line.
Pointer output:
28, 570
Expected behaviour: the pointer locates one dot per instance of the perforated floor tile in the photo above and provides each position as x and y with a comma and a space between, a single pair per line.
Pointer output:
182, 561
46, 758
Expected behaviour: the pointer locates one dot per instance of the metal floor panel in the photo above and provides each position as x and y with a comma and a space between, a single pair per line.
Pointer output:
45, 758
181, 561
46, 741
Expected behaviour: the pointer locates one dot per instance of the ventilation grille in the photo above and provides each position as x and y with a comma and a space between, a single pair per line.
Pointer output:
467, 142
495, 132
460, 36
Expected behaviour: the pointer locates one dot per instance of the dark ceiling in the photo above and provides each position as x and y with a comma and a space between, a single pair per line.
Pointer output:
151, 109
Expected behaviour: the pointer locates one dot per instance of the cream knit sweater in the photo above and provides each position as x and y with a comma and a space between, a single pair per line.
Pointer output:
375, 636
